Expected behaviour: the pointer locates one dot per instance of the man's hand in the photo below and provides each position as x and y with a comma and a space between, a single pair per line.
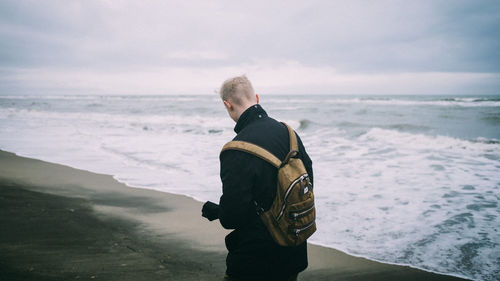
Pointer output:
210, 211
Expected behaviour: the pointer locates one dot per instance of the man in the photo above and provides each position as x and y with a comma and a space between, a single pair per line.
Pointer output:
246, 179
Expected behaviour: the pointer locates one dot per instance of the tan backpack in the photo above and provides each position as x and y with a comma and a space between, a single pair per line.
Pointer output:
291, 218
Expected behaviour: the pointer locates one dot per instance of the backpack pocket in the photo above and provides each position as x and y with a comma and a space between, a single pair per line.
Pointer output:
302, 213
301, 218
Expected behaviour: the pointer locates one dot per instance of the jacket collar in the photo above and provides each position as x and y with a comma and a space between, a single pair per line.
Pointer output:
250, 115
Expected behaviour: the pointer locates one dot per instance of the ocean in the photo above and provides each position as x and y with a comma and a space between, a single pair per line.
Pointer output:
411, 180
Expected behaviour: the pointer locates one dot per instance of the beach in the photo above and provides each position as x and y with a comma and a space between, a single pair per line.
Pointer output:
60, 223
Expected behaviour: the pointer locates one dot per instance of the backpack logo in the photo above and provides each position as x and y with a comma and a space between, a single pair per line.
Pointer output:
292, 216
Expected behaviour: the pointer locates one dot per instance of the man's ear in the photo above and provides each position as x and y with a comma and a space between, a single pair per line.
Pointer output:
228, 105
257, 96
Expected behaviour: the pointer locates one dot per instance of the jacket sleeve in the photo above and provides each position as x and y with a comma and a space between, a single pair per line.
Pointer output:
237, 175
305, 159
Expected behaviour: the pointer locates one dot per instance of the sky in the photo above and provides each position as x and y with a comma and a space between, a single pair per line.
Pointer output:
284, 47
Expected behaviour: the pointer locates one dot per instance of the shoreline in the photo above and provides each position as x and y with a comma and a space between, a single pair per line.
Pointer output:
460, 277
165, 221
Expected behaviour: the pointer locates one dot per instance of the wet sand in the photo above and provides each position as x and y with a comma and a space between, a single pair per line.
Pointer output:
60, 223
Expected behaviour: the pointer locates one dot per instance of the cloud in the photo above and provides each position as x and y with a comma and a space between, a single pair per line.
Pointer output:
330, 46
268, 77
197, 55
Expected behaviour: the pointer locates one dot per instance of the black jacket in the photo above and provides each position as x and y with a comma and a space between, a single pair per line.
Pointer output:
245, 178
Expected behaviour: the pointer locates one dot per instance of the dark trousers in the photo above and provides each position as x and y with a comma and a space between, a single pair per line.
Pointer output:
291, 278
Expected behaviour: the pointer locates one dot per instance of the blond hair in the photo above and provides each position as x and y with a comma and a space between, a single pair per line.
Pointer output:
236, 89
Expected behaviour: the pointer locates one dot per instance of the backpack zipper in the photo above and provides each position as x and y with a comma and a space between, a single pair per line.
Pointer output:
301, 213
297, 231
287, 193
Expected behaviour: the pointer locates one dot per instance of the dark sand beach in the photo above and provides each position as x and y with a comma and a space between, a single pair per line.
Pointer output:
60, 223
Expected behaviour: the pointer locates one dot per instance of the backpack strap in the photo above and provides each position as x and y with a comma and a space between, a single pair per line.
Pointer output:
293, 138
253, 149
263, 153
